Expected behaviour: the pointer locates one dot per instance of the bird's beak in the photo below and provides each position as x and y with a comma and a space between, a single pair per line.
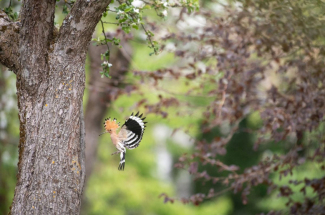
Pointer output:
103, 133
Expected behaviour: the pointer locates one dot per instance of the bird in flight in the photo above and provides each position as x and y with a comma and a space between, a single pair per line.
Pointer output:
129, 136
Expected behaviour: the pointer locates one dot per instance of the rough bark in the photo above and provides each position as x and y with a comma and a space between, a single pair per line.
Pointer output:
99, 99
50, 85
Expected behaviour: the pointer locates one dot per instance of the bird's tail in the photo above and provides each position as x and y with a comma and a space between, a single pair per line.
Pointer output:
122, 161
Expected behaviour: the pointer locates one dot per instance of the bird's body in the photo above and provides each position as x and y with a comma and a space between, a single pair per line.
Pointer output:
128, 137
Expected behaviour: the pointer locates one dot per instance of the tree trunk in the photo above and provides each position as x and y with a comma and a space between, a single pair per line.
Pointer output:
50, 85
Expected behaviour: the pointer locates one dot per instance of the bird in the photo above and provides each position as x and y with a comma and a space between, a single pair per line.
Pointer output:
129, 136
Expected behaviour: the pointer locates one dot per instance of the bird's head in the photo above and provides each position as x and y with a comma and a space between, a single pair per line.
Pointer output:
111, 125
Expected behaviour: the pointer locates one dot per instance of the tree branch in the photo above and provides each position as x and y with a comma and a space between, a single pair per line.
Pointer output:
37, 22
79, 25
9, 34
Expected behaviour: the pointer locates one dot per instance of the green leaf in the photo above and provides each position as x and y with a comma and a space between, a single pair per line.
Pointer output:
65, 9
116, 41
107, 53
135, 27
12, 15
122, 20
146, 7
128, 9
126, 29
107, 74
150, 33
15, 16
122, 6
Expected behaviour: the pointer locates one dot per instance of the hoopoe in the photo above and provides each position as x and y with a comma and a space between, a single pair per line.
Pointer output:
129, 136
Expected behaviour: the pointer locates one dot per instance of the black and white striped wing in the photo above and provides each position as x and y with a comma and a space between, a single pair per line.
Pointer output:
134, 131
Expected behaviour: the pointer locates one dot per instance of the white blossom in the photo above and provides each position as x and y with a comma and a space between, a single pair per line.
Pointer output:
136, 10
138, 4
108, 64
164, 3
164, 12
120, 12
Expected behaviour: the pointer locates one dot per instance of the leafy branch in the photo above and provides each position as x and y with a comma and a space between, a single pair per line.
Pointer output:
105, 65
129, 15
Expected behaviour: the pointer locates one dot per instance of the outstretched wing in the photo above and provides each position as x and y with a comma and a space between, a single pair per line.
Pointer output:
132, 131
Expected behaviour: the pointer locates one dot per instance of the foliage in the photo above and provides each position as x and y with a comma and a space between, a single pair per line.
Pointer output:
261, 57
9, 10
13, 15
129, 15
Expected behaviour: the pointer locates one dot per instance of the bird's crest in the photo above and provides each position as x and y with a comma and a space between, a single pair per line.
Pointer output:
111, 124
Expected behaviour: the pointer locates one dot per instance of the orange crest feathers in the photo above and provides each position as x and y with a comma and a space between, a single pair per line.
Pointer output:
111, 124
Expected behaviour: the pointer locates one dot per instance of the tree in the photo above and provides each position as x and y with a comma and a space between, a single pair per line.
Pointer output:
49, 65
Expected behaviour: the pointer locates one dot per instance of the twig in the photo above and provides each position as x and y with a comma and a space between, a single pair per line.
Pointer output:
220, 192
113, 23
103, 30
149, 37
